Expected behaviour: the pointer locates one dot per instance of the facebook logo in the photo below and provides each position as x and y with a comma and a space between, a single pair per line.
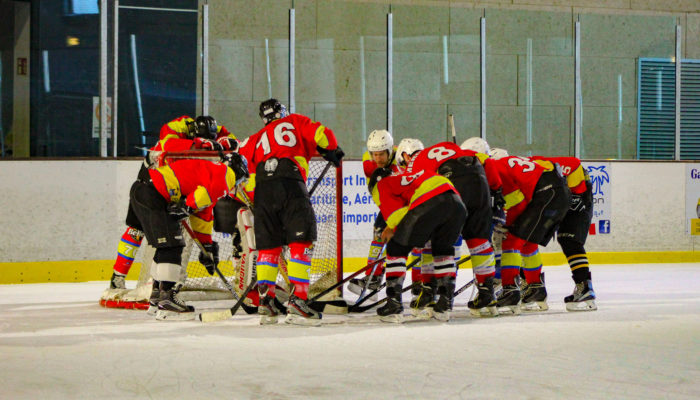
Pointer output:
604, 226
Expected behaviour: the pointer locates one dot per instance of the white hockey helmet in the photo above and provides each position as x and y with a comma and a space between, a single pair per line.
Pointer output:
408, 146
380, 140
476, 144
498, 153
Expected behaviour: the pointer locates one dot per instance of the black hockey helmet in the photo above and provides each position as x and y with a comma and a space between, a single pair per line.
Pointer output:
377, 176
271, 110
205, 127
238, 164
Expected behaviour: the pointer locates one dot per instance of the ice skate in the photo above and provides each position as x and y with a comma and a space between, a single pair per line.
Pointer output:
111, 297
509, 300
535, 298
268, 310
392, 311
170, 307
299, 313
117, 281
442, 308
583, 298
425, 297
356, 285
153, 299
484, 304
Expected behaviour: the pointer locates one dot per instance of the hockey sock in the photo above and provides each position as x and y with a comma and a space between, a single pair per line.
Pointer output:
577, 259
444, 266
126, 251
298, 267
532, 262
416, 269
268, 261
483, 261
511, 259
375, 251
395, 267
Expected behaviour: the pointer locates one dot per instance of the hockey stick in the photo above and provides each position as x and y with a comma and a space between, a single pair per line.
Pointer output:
342, 282
361, 299
451, 119
211, 257
369, 277
376, 303
213, 316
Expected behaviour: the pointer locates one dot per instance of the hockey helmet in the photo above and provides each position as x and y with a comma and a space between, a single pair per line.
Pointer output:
377, 176
476, 144
239, 165
498, 153
380, 140
205, 127
271, 110
408, 146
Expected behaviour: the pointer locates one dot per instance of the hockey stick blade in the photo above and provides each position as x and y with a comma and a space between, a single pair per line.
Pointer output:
361, 299
213, 316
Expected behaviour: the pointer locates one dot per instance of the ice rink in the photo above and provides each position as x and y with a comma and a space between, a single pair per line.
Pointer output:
642, 343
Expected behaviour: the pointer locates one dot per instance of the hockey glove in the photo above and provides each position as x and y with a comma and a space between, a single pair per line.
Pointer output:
334, 156
206, 144
227, 143
210, 263
577, 203
180, 210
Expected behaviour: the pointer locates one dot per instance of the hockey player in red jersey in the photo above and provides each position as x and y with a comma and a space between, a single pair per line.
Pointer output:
465, 171
418, 207
279, 154
180, 134
537, 199
573, 231
160, 198
380, 154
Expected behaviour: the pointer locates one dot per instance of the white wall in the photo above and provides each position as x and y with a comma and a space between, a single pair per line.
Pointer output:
75, 210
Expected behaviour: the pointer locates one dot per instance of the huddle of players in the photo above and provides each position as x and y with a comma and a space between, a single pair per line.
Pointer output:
428, 197
275, 159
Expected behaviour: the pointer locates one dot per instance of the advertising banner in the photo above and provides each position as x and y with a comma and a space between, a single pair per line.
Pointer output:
692, 199
602, 196
359, 211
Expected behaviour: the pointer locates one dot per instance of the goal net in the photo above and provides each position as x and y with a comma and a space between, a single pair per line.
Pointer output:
198, 285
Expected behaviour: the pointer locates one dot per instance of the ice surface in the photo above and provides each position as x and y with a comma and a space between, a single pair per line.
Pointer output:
642, 343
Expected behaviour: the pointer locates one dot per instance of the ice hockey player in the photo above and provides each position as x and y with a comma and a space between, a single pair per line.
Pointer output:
537, 198
180, 134
418, 207
380, 154
465, 171
164, 196
573, 231
279, 154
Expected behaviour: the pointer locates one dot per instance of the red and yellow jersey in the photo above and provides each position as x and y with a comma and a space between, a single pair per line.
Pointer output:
431, 158
519, 176
202, 183
294, 137
221, 131
397, 194
572, 170
176, 128
369, 165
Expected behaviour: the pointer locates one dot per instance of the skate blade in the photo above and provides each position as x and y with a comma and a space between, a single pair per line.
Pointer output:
588, 305
268, 320
484, 312
442, 316
294, 319
152, 310
166, 315
535, 306
393, 318
509, 310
